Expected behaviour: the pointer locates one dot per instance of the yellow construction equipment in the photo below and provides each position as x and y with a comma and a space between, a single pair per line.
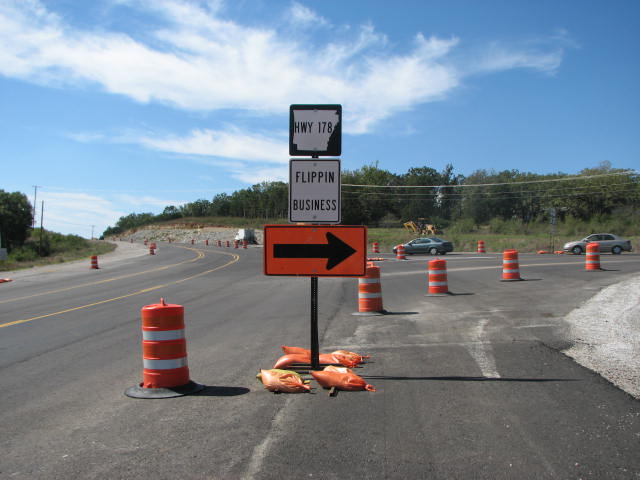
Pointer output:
421, 228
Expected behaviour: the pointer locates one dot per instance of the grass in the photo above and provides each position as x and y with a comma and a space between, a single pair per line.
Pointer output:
494, 242
59, 248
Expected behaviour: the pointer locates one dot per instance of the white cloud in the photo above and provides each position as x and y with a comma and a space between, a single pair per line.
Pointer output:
199, 61
76, 212
305, 16
252, 176
146, 202
231, 143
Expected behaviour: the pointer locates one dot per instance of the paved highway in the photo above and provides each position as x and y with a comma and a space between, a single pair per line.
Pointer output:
470, 385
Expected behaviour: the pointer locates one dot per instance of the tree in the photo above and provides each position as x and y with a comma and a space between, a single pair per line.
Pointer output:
15, 219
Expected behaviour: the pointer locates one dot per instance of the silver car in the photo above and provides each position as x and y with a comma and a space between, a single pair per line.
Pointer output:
432, 245
607, 241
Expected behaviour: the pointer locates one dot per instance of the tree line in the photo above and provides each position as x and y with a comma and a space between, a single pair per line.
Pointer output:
376, 197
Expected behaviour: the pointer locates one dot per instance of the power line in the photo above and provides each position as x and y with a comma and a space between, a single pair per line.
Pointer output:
462, 185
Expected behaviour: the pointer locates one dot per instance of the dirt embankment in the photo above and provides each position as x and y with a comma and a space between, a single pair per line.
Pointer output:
181, 233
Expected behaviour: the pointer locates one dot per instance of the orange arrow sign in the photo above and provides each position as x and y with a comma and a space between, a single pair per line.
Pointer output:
314, 250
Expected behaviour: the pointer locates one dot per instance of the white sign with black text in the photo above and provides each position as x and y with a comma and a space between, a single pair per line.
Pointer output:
314, 190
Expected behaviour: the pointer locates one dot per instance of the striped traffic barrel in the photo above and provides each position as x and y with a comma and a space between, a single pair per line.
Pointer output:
438, 277
593, 257
481, 247
376, 248
510, 266
164, 353
400, 253
94, 262
370, 290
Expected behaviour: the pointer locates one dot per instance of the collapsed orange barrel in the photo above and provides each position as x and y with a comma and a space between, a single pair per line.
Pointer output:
376, 248
438, 277
593, 257
510, 266
400, 253
164, 354
481, 247
370, 290
94, 262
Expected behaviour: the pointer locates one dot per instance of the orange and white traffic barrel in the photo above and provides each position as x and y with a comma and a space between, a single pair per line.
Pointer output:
94, 262
510, 266
192, 241
235, 244
219, 243
481, 247
400, 252
152, 251
376, 247
244, 244
593, 257
438, 283
370, 291
164, 354
228, 243
206, 242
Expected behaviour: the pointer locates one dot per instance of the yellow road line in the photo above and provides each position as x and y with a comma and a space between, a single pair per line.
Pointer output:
139, 292
199, 255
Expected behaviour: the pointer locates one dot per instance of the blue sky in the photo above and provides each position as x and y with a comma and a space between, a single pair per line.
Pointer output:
120, 106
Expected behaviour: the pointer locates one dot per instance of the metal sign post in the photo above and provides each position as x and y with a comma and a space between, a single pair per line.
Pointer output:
309, 248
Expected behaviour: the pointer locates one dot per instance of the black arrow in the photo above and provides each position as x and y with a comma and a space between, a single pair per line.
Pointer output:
335, 250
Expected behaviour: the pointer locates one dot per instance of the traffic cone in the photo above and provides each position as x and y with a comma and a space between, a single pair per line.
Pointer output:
438, 283
592, 262
164, 354
370, 292
510, 266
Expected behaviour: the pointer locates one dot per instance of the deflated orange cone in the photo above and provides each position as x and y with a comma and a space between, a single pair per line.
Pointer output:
349, 356
288, 350
325, 358
342, 379
276, 380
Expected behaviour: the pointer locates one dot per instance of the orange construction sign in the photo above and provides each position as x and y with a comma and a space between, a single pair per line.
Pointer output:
315, 250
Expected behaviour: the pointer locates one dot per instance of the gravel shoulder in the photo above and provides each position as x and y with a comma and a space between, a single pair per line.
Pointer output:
606, 335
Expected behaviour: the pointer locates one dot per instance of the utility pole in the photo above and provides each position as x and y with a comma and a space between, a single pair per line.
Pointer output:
35, 200
41, 228
92, 227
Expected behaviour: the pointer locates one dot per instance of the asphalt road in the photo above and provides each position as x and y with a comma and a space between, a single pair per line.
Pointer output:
469, 385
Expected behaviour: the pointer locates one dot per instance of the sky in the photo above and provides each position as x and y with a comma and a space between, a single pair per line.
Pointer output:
112, 107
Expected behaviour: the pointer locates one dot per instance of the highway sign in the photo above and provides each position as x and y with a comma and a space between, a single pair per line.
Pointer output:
314, 190
315, 130
315, 250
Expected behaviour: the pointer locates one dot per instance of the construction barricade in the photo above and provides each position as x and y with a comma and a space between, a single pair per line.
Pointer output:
164, 354
438, 283
370, 292
510, 266
592, 262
